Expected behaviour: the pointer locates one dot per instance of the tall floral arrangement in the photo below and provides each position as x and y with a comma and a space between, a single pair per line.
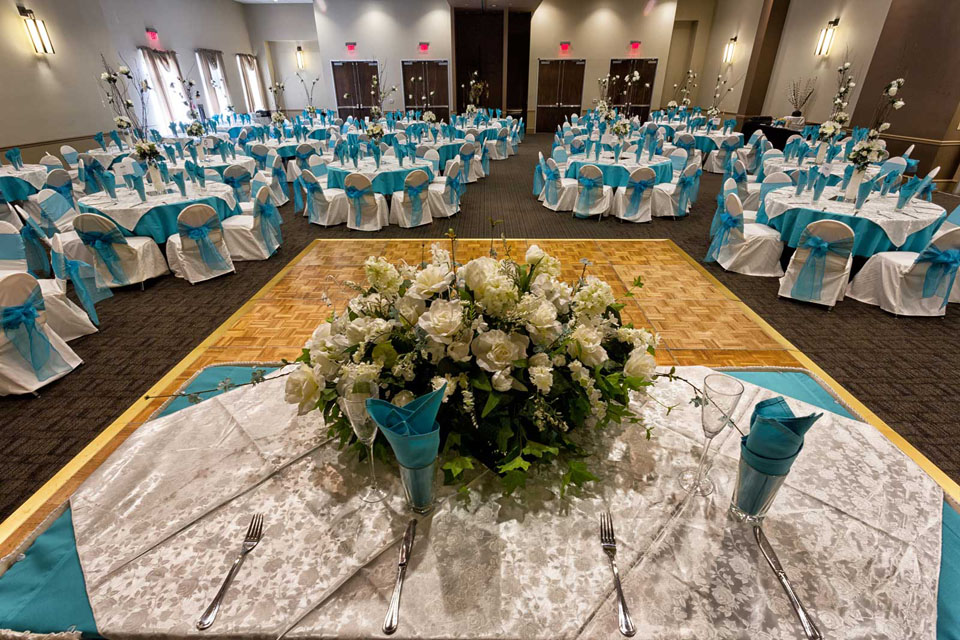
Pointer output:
682, 90
720, 92
799, 92
478, 89
420, 94
380, 93
277, 90
871, 149
308, 91
845, 84
116, 84
529, 361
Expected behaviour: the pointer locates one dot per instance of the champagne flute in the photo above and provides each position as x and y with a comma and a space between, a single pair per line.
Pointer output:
721, 396
354, 405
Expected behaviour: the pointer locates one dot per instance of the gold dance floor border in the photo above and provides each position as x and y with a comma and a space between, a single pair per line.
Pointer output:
701, 322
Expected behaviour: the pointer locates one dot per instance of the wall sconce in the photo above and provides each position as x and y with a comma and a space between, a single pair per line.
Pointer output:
424, 47
827, 35
635, 45
37, 32
565, 46
728, 50
351, 46
299, 57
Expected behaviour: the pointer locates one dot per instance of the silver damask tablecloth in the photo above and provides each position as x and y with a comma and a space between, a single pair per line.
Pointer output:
857, 526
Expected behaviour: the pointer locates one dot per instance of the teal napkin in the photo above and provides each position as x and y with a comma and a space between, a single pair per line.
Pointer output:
99, 138
864, 190
801, 182
108, 182
179, 180
138, 185
412, 429
776, 436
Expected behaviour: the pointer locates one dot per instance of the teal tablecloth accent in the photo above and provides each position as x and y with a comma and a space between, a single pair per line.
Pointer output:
869, 238
45, 592
13, 189
616, 175
319, 134
386, 183
448, 152
161, 222
954, 217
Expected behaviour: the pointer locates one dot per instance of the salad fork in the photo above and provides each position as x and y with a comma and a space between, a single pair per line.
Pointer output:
609, 543
250, 540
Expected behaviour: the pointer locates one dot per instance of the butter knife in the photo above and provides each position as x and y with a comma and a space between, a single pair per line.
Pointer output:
809, 627
393, 613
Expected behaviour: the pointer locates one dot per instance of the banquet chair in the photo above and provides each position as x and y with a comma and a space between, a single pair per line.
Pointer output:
443, 194
748, 153
749, 249
260, 152
304, 152
119, 260
768, 158
748, 191
83, 278
633, 202
238, 178
198, 251
60, 181
717, 159
559, 194
819, 269
472, 131
688, 143
367, 209
678, 158
70, 156
28, 214
56, 212
433, 157
325, 207
471, 165
411, 207
593, 196
13, 255
753, 157
31, 353
277, 180
51, 162
907, 283
317, 165
674, 199
498, 147
257, 236
421, 150
212, 175
774, 181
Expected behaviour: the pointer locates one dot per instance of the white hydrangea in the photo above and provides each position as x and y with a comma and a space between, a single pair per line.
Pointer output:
585, 345
437, 382
352, 373
542, 378
639, 338
440, 256
368, 329
593, 297
556, 291
382, 276
497, 294
540, 318
443, 321
546, 264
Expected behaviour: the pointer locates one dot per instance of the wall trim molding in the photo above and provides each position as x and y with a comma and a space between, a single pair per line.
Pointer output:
46, 143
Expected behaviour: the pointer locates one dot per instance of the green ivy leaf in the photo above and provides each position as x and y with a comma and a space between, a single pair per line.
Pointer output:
503, 437
516, 463
537, 450
492, 401
577, 474
513, 480
385, 351
458, 465
480, 381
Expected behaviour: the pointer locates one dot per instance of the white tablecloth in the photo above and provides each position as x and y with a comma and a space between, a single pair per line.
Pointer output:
836, 168
34, 174
127, 210
106, 157
214, 161
857, 526
898, 225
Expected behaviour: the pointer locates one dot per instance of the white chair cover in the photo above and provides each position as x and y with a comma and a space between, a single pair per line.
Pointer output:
325, 207
595, 199
367, 211
244, 234
666, 196
138, 257
634, 202
443, 198
565, 189
755, 251
411, 207
716, 159
205, 256
836, 267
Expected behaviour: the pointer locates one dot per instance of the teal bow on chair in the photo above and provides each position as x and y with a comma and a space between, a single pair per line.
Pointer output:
941, 273
84, 280
201, 235
415, 193
590, 187
538, 181
102, 244
270, 222
809, 283
309, 188
722, 236
639, 188
20, 327
237, 183
356, 196
686, 191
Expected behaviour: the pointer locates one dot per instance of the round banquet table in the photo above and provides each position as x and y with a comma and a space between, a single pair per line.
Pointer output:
110, 155
20, 184
286, 148
216, 163
618, 174
157, 217
707, 142
386, 180
836, 169
877, 227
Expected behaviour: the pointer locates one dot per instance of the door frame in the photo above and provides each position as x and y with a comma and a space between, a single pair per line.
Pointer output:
359, 108
560, 106
446, 98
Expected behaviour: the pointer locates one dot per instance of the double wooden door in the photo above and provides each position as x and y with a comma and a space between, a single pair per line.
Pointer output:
559, 91
633, 99
353, 82
425, 86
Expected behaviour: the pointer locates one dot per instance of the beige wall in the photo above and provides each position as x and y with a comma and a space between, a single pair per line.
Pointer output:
860, 24
731, 18
598, 31
384, 30
701, 12
275, 31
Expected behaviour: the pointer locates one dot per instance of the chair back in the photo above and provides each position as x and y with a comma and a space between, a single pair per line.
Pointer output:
13, 253
453, 182
414, 195
363, 202
201, 238
15, 290
472, 132
58, 178
639, 189
238, 177
470, 137
589, 188
56, 212
70, 155
51, 162
433, 157
108, 246
678, 157
422, 150
308, 177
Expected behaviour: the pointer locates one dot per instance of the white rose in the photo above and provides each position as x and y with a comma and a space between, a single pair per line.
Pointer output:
640, 364
403, 398
502, 381
542, 378
540, 318
303, 388
534, 254
475, 272
430, 281
410, 309
496, 350
898, 104
585, 345
556, 291
104, 75
539, 360
459, 351
443, 321
892, 91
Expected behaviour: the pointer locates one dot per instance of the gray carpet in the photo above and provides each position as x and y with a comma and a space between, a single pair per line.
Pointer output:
902, 368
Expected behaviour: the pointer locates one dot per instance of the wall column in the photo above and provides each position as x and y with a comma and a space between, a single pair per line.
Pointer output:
762, 58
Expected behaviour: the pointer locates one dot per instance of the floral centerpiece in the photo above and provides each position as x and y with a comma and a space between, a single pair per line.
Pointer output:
122, 123
682, 90
845, 85
278, 118
471, 109
116, 84
530, 362
720, 92
375, 132
621, 128
148, 152
311, 110
381, 93
871, 149
429, 117
277, 90
308, 92
672, 104
195, 129
479, 89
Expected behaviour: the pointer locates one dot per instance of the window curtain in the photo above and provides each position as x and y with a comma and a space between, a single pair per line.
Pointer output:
214, 79
252, 87
162, 67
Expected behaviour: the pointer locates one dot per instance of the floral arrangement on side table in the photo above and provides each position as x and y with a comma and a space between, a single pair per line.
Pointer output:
529, 361
429, 116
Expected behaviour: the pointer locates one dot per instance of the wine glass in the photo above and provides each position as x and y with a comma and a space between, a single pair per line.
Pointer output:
721, 394
354, 405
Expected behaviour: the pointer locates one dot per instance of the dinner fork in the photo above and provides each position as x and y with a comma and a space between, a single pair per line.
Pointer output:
250, 540
609, 543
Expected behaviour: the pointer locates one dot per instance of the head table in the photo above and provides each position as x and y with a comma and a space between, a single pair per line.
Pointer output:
857, 526
877, 226
617, 174
19, 184
386, 179
157, 216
